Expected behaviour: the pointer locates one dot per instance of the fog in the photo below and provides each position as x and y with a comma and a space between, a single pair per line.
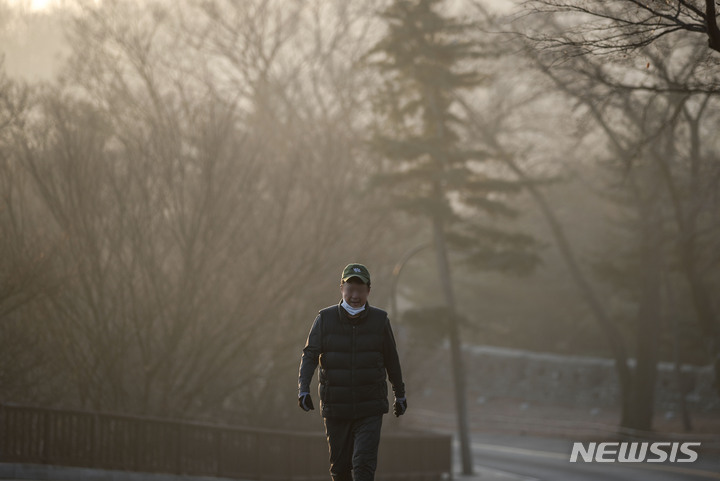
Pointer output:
182, 184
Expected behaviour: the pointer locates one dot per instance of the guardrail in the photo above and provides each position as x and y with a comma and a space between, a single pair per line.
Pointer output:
145, 444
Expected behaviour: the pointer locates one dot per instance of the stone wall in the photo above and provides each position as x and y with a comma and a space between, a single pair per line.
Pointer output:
495, 373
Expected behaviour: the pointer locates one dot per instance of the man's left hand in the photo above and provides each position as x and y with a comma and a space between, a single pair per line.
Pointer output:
399, 406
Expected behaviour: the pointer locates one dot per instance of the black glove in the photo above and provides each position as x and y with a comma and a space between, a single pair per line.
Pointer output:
399, 406
305, 401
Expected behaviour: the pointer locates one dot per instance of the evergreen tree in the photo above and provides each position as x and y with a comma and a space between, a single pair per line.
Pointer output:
425, 60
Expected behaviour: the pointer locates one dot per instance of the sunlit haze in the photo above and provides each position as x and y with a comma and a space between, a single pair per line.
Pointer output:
195, 194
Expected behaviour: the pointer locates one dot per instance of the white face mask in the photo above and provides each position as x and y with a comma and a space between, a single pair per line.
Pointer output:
351, 310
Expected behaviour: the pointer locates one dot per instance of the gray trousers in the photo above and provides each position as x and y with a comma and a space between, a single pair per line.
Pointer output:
353, 445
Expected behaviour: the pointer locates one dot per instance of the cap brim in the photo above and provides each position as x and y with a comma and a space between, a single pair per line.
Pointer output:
362, 278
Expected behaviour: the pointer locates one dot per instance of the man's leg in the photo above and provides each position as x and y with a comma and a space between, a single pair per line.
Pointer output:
367, 439
340, 444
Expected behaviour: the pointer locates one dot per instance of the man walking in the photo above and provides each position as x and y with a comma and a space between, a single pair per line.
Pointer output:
355, 347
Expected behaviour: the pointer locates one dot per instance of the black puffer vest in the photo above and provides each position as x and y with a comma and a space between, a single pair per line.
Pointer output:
352, 372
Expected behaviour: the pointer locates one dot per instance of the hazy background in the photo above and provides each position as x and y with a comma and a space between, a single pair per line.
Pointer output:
183, 182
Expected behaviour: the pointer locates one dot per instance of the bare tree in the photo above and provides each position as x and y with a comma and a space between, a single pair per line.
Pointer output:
654, 137
201, 181
625, 25
26, 261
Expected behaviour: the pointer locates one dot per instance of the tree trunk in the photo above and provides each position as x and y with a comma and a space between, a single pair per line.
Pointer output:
640, 414
625, 379
670, 318
688, 232
455, 348
567, 253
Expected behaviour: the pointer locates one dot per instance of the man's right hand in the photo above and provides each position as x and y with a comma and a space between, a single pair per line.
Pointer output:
305, 401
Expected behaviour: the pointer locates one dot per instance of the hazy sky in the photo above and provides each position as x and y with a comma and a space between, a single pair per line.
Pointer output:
34, 48
42, 4
35, 4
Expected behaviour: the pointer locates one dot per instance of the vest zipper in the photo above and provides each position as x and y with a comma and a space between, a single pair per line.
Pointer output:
352, 372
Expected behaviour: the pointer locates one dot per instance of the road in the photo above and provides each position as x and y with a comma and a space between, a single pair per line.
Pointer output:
547, 459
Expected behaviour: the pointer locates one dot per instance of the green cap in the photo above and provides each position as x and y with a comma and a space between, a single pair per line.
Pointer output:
356, 270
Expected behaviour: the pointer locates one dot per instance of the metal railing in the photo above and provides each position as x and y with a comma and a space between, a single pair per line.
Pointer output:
133, 443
